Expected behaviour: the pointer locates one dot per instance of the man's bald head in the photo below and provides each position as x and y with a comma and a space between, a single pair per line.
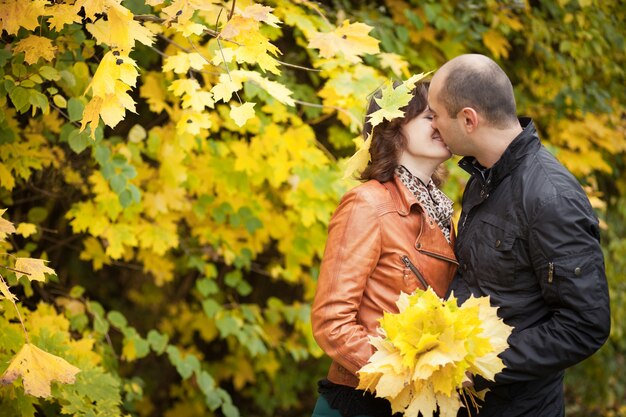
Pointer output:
476, 81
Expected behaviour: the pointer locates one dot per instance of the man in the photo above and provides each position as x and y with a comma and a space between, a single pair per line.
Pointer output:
527, 237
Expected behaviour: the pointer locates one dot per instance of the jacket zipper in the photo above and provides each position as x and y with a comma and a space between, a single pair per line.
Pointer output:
436, 255
412, 267
550, 272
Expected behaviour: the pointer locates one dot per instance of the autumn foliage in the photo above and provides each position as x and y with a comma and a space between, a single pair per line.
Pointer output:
169, 168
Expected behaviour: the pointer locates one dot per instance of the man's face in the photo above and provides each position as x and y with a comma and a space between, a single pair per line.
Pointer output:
449, 128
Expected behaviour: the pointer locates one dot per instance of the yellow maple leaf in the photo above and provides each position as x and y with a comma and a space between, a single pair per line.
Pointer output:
38, 370
198, 101
496, 43
256, 49
33, 269
153, 91
19, 13
241, 114
6, 226
225, 88
114, 106
62, 14
357, 162
26, 229
92, 7
5, 292
6, 178
119, 30
260, 13
91, 116
395, 63
238, 24
181, 62
35, 47
350, 40
118, 238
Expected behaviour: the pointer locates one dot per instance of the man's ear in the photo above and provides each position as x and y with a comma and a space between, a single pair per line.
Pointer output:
470, 119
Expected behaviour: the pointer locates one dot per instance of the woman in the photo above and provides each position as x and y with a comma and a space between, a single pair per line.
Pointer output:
391, 234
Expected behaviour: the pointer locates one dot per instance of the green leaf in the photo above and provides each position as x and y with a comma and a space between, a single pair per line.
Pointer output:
117, 319
118, 183
37, 215
102, 154
39, 100
186, 366
142, 347
135, 193
5, 55
75, 109
232, 278
78, 141
227, 325
210, 307
230, 410
126, 198
244, 288
206, 287
49, 73
206, 383
20, 98
157, 341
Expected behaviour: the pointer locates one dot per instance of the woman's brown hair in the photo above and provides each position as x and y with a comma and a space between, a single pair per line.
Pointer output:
387, 138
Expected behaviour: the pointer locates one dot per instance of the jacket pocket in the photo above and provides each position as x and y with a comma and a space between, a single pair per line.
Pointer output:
574, 278
494, 258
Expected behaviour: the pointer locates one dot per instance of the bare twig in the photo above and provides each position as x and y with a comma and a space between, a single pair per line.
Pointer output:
15, 270
287, 64
342, 110
232, 11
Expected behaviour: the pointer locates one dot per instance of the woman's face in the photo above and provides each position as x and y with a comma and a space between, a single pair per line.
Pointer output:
424, 142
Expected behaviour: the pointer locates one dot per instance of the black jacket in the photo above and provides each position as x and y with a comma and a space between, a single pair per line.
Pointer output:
529, 239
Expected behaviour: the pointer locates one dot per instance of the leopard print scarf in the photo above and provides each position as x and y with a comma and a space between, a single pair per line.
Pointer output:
437, 204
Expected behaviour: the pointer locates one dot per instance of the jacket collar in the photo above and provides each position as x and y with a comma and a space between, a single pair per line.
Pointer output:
523, 144
402, 197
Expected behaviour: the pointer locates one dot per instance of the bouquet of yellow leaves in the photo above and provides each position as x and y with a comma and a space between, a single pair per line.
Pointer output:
425, 351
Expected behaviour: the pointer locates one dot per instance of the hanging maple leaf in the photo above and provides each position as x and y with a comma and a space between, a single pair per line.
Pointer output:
5, 292
119, 30
62, 14
241, 114
26, 229
390, 102
19, 13
38, 370
35, 47
33, 269
350, 40
357, 162
6, 226
115, 75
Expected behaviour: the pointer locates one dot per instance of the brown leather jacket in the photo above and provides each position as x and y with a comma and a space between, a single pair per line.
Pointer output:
363, 273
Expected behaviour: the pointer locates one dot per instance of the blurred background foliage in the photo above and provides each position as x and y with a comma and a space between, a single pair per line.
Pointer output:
187, 247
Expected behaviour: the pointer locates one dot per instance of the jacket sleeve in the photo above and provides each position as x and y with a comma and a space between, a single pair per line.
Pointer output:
351, 254
564, 246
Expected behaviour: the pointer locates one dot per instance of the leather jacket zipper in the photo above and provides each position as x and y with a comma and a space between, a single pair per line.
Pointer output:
436, 255
417, 273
